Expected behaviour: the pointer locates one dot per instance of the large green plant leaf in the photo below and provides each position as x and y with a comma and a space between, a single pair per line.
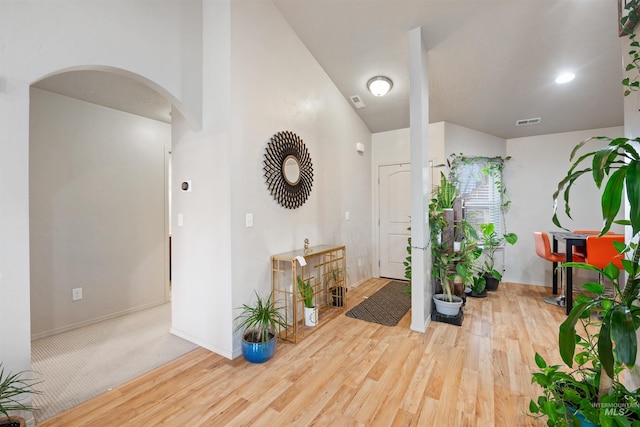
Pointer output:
633, 194
511, 238
612, 197
601, 162
623, 334
566, 185
605, 348
594, 288
567, 335
611, 272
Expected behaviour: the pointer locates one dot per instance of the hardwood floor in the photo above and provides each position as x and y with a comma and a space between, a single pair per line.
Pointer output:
356, 373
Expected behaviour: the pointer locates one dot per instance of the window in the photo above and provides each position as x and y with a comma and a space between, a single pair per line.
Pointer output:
479, 180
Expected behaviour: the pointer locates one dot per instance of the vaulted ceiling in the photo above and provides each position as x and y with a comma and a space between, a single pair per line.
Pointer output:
491, 62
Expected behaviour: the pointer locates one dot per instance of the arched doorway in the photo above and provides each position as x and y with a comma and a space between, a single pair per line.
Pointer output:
99, 214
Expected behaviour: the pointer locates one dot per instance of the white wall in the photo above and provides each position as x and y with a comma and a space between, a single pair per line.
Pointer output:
444, 139
201, 275
277, 85
97, 212
532, 175
148, 41
459, 139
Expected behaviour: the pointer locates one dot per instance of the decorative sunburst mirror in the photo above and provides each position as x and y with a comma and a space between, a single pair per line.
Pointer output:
288, 170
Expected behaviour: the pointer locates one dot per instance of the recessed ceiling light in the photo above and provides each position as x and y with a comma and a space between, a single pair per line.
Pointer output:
565, 78
379, 85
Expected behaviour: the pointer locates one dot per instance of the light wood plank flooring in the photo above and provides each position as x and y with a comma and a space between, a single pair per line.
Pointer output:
354, 373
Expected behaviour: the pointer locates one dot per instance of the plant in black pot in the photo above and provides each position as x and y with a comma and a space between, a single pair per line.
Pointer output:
12, 386
260, 324
490, 241
478, 287
335, 282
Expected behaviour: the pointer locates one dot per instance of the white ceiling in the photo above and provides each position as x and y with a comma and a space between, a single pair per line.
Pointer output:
491, 62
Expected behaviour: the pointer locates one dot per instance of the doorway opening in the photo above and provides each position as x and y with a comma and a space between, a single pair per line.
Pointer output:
99, 210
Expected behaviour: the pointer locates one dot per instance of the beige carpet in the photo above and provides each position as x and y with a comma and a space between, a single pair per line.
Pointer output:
78, 365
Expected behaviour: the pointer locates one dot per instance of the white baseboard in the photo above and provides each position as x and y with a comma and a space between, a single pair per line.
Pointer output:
78, 325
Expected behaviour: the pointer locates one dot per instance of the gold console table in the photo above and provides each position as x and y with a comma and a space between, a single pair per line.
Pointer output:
325, 270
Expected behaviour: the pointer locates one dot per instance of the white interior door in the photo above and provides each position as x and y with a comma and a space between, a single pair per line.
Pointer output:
395, 218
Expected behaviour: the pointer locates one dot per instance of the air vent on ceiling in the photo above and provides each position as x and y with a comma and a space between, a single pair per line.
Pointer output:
357, 101
524, 122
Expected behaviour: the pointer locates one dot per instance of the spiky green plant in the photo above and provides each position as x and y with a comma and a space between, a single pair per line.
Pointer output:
260, 318
13, 386
306, 292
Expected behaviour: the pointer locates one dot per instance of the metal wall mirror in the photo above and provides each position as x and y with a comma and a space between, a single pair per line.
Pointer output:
288, 170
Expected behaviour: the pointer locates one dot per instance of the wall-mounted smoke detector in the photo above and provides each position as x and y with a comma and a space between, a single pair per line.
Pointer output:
357, 101
524, 122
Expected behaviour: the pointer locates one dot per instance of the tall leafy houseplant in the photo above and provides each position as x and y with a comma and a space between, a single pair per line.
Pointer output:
615, 166
447, 262
613, 346
442, 255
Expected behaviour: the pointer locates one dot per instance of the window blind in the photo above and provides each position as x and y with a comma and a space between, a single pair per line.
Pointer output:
482, 199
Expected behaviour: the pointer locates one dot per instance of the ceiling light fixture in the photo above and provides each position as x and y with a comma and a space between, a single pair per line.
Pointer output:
379, 85
565, 78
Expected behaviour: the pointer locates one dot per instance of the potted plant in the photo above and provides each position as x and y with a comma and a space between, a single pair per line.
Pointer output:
260, 324
11, 387
453, 248
442, 254
611, 343
490, 241
336, 285
577, 396
310, 309
478, 287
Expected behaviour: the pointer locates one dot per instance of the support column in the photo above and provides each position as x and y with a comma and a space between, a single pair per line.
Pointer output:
421, 290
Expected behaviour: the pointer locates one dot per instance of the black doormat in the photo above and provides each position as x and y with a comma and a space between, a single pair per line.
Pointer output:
386, 307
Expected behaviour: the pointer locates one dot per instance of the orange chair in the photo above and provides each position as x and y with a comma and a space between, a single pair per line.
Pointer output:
543, 250
581, 250
601, 252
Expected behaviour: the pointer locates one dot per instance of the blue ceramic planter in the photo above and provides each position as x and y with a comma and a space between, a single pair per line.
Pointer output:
579, 416
259, 352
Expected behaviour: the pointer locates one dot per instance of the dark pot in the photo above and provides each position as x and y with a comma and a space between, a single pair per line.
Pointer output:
492, 283
12, 422
258, 352
337, 296
482, 294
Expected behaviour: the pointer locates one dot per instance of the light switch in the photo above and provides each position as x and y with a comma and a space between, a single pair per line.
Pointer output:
347, 215
248, 220
180, 220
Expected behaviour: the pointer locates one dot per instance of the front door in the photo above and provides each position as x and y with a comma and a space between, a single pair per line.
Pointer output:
395, 218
